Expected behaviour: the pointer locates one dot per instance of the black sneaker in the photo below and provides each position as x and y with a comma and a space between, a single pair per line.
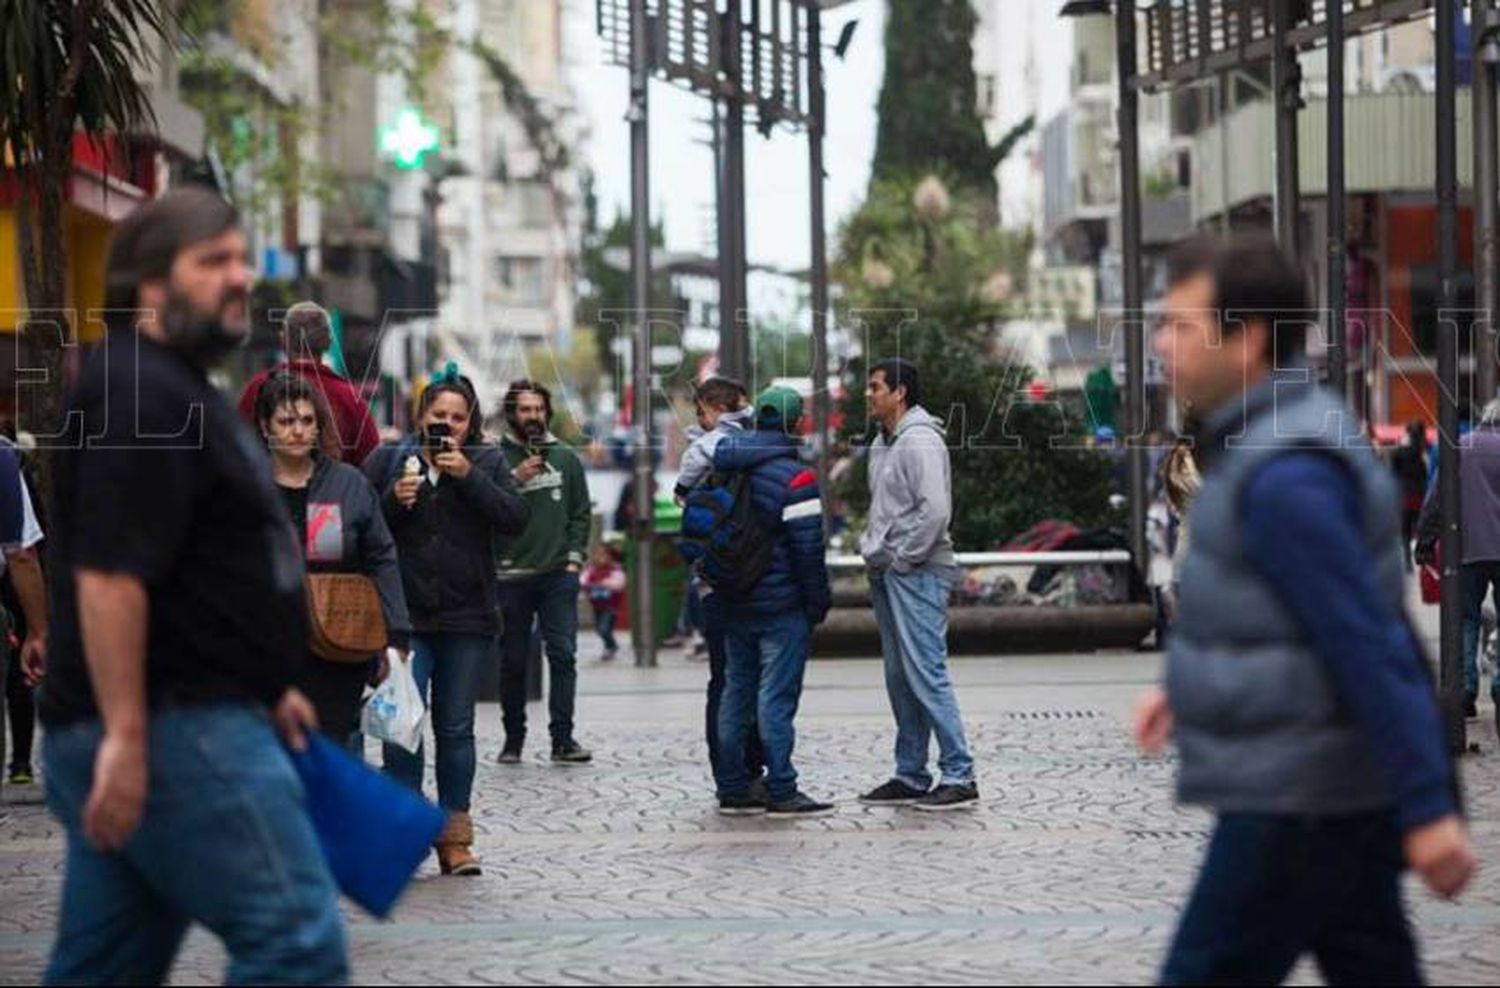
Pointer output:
572, 753
742, 804
509, 756
893, 793
800, 805
950, 796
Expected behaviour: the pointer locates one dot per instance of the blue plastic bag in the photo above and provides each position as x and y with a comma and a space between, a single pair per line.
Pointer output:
374, 831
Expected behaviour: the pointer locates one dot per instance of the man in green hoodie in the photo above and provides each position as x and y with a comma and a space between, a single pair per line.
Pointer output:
538, 570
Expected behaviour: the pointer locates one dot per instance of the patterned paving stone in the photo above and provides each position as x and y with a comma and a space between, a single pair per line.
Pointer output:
1071, 871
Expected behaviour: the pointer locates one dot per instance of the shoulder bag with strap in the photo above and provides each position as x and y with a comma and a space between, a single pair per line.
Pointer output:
348, 624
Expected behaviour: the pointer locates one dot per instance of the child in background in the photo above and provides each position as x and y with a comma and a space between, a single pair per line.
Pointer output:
723, 408
604, 582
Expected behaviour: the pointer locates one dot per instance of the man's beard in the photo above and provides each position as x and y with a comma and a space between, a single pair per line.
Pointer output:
204, 339
530, 431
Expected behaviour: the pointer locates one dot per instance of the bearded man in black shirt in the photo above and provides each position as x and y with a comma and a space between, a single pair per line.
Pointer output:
179, 622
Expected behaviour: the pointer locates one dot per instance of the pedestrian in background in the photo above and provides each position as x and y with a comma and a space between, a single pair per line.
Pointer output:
537, 570
913, 570
1479, 569
1302, 707
23, 599
179, 629
768, 617
306, 338
604, 583
447, 494
1181, 481
1410, 464
722, 408
340, 528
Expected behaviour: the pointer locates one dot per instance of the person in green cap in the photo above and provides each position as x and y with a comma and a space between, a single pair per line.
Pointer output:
769, 616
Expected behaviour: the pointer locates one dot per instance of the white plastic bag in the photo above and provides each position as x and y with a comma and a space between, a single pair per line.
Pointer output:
395, 711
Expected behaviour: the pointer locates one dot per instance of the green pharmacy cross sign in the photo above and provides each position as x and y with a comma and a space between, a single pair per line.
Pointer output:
409, 140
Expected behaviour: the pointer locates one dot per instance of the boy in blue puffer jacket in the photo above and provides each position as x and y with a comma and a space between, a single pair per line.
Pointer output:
768, 627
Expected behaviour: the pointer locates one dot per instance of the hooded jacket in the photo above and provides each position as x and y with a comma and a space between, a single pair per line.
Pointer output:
786, 494
1479, 479
444, 540
557, 498
698, 459
911, 497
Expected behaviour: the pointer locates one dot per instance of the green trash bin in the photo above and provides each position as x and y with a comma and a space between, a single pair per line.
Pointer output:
669, 576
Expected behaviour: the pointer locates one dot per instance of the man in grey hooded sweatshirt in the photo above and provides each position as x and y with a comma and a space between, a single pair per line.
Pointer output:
912, 572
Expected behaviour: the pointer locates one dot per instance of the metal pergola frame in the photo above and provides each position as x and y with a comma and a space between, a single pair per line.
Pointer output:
1187, 39
760, 62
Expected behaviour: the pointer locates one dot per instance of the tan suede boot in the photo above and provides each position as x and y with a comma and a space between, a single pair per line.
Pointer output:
454, 846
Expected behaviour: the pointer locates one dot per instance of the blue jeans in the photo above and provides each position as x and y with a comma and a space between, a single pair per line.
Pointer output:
451, 663
763, 684
551, 599
1475, 583
604, 622
912, 611
718, 664
690, 617
1274, 888
224, 841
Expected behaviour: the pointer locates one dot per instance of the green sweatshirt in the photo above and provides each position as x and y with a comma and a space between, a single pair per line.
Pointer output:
558, 497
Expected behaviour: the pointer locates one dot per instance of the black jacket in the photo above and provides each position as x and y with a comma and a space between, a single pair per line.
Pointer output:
347, 533
445, 539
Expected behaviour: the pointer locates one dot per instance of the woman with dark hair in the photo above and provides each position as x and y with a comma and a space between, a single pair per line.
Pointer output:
340, 527
446, 494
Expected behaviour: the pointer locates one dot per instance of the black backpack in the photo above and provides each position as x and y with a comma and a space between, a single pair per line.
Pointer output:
723, 531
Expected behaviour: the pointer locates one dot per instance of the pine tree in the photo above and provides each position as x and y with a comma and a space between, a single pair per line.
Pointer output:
929, 107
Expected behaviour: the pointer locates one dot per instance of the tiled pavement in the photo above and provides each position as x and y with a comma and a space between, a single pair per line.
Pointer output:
1070, 872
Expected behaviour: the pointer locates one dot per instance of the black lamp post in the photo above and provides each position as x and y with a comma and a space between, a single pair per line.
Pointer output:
1132, 303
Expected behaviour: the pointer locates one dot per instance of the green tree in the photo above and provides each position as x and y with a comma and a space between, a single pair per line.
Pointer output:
929, 285
929, 115
68, 66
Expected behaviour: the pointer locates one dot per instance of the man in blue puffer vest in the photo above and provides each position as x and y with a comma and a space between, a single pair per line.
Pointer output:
768, 628
1295, 687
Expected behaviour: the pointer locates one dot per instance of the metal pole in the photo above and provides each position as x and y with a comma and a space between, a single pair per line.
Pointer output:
1130, 260
1486, 192
727, 302
1338, 287
819, 270
734, 348
1450, 667
1286, 83
640, 286
1222, 83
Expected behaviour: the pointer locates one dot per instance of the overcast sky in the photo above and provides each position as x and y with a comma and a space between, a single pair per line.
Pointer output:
776, 168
